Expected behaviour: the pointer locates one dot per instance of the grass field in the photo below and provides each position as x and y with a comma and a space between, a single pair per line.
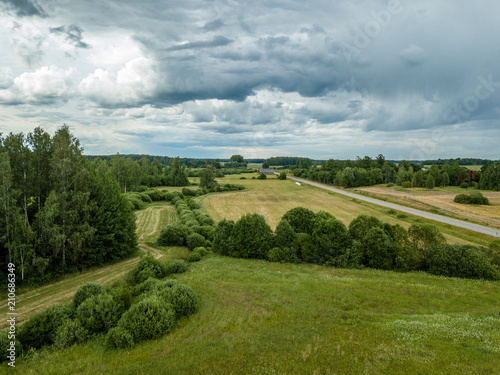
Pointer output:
272, 198
267, 318
440, 200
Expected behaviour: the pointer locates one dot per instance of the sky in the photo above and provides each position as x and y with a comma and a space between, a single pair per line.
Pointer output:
212, 78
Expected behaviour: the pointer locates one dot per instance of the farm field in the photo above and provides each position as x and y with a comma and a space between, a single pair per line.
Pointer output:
272, 198
440, 200
258, 317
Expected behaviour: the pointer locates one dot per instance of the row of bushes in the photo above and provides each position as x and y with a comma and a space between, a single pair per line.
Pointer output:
303, 236
139, 200
472, 198
140, 308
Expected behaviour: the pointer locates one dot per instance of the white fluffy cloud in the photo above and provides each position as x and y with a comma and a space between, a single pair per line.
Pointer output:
48, 84
136, 82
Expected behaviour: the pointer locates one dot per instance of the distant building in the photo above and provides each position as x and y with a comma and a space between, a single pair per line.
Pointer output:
266, 171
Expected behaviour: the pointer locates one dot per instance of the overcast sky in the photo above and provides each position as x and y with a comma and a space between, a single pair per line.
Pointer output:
212, 78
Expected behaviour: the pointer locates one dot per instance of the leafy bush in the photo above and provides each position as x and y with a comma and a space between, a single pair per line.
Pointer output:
118, 338
392, 212
464, 185
156, 195
41, 329
262, 176
377, 249
282, 176
252, 237
69, 333
195, 240
304, 247
146, 286
359, 227
301, 219
87, 290
148, 319
182, 298
201, 250
406, 184
208, 232
282, 255
461, 261
146, 268
330, 238
177, 266
146, 198
222, 235
174, 235
194, 257
98, 313
5, 346
194, 205
401, 216
284, 234
473, 198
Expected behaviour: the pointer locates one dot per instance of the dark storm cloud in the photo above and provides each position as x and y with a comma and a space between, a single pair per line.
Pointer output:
72, 33
24, 8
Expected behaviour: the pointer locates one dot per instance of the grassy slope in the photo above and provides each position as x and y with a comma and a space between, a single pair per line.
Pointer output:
266, 318
272, 198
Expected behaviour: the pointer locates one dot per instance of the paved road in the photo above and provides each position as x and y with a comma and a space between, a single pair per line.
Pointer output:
443, 219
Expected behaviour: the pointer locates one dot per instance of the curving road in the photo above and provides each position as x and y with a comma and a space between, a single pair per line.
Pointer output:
443, 219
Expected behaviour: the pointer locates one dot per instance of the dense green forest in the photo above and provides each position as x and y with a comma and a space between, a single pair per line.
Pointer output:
368, 171
58, 211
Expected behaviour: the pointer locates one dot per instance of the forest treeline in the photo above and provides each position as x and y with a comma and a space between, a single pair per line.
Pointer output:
58, 211
368, 171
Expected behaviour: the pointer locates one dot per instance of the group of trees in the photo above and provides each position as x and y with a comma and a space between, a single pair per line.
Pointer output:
57, 213
303, 236
368, 171
289, 161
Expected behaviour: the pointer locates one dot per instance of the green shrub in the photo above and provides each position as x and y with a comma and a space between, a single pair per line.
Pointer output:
207, 231
5, 346
251, 237
137, 203
401, 216
461, 261
69, 333
177, 266
222, 237
204, 219
174, 235
262, 176
201, 250
359, 227
41, 328
330, 238
473, 198
390, 184
156, 195
99, 313
195, 240
301, 219
118, 338
148, 319
194, 205
146, 286
284, 234
87, 290
406, 184
282, 176
464, 185
282, 255
194, 257
392, 212
146, 268
146, 198
182, 298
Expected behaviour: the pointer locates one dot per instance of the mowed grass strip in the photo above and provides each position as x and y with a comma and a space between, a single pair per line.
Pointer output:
272, 198
258, 317
153, 219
